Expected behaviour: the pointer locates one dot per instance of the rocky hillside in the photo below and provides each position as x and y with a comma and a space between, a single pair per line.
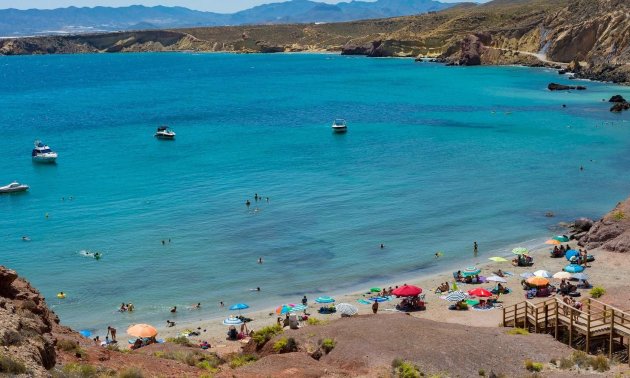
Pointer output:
592, 36
612, 232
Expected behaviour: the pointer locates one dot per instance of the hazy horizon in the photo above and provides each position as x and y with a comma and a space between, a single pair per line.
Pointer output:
218, 6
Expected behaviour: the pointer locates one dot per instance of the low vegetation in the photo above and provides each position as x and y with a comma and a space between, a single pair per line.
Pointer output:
518, 331
597, 292
11, 337
71, 347
533, 366
76, 370
618, 215
285, 345
10, 366
131, 373
405, 369
180, 340
265, 334
315, 321
328, 345
239, 360
582, 360
207, 361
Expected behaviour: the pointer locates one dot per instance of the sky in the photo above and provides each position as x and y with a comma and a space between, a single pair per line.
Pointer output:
221, 6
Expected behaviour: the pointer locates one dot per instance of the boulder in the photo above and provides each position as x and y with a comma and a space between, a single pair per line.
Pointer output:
470, 54
582, 224
561, 87
620, 106
617, 98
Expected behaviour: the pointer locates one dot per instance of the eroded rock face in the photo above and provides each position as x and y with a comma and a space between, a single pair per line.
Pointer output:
374, 49
471, 48
26, 324
612, 232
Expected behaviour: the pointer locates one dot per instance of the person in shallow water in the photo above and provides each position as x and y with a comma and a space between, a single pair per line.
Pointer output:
247, 203
174, 309
260, 260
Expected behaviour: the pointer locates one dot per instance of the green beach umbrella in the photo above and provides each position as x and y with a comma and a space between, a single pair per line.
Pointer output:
561, 238
471, 271
376, 290
497, 259
520, 251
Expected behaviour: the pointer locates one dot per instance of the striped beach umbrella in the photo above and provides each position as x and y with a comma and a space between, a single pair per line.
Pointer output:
471, 271
456, 296
298, 307
232, 321
346, 309
574, 268
325, 300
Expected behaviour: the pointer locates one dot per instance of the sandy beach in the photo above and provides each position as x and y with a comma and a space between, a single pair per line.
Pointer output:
608, 270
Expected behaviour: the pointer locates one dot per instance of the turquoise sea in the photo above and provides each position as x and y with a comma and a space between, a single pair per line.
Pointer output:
435, 158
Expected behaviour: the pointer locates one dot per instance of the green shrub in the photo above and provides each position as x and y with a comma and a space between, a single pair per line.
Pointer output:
518, 331
71, 347
597, 292
315, 321
192, 358
79, 370
131, 372
181, 340
580, 359
618, 215
482, 373
328, 345
600, 363
566, 363
10, 366
404, 369
241, 360
11, 337
265, 334
280, 345
533, 366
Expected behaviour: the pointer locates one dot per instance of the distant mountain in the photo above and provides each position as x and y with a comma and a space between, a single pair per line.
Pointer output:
14, 22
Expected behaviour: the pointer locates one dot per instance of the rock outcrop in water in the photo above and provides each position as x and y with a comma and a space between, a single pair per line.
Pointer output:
590, 37
561, 87
612, 232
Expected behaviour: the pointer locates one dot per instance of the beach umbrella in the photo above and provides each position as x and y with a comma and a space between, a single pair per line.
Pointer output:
580, 276
497, 259
142, 330
571, 253
238, 307
379, 299
324, 300
520, 251
479, 292
232, 321
346, 309
562, 275
537, 281
542, 273
553, 242
527, 274
407, 291
85, 333
471, 271
573, 268
283, 309
496, 279
375, 290
456, 296
298, 307
561, 238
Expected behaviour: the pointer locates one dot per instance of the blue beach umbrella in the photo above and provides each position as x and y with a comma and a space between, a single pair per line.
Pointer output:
471, 271
298, 307
325, 300
571, 253
561, 238
573, 268
238, 307
379, 299
85, 333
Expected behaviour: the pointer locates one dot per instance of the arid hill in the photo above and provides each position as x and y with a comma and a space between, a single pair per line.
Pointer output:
592, 35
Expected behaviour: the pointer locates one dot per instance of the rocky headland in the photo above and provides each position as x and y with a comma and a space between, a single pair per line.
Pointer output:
589, 38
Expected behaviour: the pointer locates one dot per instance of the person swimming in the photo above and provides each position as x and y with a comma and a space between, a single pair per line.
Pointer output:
382, 245
247, 203
260, 260
26, 238
174, 309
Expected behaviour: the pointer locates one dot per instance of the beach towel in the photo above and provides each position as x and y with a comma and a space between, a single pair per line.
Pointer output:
477, 308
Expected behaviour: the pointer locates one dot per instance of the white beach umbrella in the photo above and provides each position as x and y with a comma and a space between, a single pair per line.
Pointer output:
496, 279
580, 276
456, 296
232, 321
527, 275
562, 275
543, 274
346, 309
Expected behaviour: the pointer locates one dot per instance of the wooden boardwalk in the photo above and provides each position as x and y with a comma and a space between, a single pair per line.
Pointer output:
595, 322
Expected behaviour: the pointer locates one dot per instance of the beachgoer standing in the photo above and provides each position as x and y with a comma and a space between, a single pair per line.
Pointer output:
475, 249
111, 331
304, 301
375, 307
260, 261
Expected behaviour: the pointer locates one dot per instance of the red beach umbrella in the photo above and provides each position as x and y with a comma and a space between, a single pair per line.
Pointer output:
407, 291
480, 292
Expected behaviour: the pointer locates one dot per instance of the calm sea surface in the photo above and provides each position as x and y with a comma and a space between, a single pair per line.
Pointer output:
435, 158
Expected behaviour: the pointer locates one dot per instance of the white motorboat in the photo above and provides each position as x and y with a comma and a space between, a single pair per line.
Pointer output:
339, 126
13, 187
163, 132
43, 154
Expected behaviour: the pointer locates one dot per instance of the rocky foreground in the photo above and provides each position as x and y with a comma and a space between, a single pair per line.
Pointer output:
590, 37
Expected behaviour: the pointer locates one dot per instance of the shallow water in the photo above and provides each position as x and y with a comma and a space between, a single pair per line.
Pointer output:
435, 158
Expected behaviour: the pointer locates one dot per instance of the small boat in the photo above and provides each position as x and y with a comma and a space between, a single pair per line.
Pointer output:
13, 187
42, 153
163, 132
339, 126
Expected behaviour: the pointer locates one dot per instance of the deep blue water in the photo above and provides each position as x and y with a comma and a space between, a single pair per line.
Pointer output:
435, 158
